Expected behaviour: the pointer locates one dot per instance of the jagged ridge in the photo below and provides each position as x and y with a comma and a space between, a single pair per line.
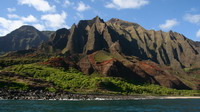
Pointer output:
115, 35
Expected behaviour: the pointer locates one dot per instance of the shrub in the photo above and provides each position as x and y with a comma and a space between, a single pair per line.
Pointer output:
74, 81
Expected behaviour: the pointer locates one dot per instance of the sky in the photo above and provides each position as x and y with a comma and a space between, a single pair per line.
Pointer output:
182, 16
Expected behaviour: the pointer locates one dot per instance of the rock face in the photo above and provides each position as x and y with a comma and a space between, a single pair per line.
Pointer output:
122, 40
137, 71
25, 37
156, 74
61, 62
57, 41
130, 39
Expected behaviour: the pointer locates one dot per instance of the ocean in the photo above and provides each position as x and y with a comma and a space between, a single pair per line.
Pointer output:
148, 105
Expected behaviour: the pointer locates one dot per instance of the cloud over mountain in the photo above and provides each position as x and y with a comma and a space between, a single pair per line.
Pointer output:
198, 33
168, 24
193, 18
82, 7
55, 20
39, 5
126, 4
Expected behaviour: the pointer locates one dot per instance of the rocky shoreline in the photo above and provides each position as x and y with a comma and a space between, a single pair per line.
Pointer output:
44, 95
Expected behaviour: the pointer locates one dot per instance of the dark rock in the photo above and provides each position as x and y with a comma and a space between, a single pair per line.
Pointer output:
130, 39
65, 63
139, 71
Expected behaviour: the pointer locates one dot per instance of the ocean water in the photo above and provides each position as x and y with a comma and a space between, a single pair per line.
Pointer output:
152, 105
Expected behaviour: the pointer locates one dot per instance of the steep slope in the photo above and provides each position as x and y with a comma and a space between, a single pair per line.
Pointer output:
112, 49
133, 70
23, 38
169, 48
130, 39
48, 33
56, 42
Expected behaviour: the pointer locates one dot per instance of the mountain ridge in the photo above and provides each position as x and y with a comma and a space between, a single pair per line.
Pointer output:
25, 37
88, 36
168, 48
119, 48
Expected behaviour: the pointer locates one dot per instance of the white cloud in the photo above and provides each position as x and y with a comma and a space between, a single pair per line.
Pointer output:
6, 26
14, 22
29, 19
67, 3
126, 4
55, 21
198, 33
11, 9
82, 7
39, 5
168, 24
39, 27
195, 19
13, 16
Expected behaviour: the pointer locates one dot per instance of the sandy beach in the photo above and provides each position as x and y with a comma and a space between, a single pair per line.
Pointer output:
180, 97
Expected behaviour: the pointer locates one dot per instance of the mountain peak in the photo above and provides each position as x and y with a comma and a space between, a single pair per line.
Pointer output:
27, 27
22, 38
24, 29
97, 19
122, 23
114, 20
84, 23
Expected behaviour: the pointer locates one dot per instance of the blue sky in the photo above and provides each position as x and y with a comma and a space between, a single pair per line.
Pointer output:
181, 16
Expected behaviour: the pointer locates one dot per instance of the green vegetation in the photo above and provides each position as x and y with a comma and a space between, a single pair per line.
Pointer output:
51, 89
191, 69
14, 85
9, 62
74, 81
193, 73
102, 56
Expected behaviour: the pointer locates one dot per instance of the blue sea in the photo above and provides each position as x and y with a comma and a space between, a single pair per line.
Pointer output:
151, 105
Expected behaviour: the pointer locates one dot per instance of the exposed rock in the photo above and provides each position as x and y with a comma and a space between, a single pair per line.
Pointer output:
130, 39
120, 38
158, 75
48, 33
139, 71
65, 63
86, 66
57, 41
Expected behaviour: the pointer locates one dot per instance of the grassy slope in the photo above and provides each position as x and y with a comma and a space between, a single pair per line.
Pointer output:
74, 81
102, 56
190, 76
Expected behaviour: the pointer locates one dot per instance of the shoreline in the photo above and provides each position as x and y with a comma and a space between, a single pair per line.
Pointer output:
107, 99
44, 95
180, 97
